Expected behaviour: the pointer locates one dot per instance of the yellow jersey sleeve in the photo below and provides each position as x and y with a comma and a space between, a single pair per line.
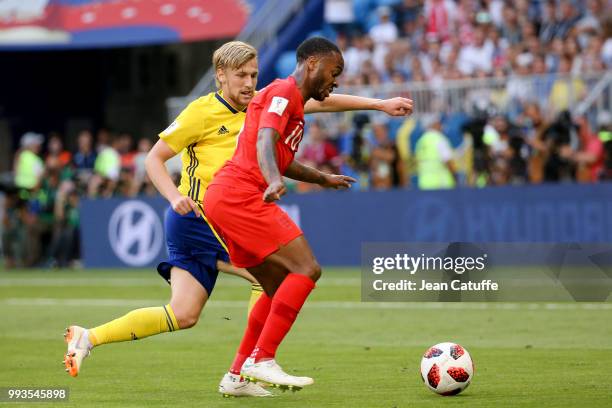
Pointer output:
188, 128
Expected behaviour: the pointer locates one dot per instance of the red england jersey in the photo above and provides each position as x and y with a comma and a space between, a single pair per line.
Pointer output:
279, 106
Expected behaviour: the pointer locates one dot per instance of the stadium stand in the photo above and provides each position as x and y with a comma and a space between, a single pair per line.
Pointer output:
517, 93
523, 87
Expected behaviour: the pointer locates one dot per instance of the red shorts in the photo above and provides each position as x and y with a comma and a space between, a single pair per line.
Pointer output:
251, 228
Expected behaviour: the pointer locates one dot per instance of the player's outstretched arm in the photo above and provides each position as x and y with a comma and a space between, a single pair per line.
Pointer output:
340, 103
301, 172
266, 158
158, 173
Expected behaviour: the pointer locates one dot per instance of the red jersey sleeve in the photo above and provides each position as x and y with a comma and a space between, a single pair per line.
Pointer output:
278, 108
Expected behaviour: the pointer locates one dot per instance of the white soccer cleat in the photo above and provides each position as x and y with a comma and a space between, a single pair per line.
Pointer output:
79, 347
268, 372
232, 386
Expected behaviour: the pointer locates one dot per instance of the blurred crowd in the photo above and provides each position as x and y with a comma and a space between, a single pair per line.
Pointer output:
527, 131
436, 40
41, 213
524, 66
440, 151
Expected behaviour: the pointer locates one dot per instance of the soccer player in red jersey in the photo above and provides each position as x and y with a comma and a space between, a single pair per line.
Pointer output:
259, 235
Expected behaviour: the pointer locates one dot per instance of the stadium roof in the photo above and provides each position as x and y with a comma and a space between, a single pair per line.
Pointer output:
66, 24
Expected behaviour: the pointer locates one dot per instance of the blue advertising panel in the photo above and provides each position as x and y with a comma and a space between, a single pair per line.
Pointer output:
122, 233
336, 224
119, 233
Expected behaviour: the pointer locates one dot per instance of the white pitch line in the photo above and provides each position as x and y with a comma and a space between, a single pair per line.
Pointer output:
57, 282
117, 282
79, 302
318, 304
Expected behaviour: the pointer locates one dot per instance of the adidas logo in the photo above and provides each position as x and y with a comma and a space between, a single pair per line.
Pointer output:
223, 130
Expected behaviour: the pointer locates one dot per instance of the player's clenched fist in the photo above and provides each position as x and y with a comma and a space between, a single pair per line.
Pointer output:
337, 181
396, 106
184, 205
274, 191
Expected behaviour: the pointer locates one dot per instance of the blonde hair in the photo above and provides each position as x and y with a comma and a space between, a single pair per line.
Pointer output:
233, 54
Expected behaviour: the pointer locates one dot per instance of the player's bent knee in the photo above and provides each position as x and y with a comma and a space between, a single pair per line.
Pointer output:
185, 317
316, 272
186, 321
312, 270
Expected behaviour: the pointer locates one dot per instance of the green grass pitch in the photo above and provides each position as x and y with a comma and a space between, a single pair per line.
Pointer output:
360, 354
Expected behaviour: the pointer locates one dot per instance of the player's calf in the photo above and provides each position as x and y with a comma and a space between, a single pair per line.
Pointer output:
135, 325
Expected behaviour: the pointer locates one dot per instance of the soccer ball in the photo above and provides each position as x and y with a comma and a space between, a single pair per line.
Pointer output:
447, 368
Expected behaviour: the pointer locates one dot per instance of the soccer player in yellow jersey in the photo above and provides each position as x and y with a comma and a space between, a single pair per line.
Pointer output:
205, 134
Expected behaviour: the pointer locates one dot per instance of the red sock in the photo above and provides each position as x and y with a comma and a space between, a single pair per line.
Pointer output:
257, 319
286, 304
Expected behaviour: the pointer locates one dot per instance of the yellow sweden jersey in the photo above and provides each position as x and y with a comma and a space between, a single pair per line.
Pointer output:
206, 133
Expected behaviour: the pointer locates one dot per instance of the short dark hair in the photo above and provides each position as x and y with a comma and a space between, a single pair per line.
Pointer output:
315, 46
